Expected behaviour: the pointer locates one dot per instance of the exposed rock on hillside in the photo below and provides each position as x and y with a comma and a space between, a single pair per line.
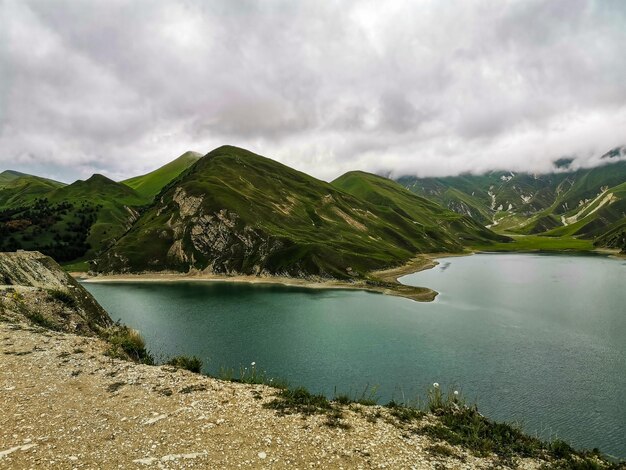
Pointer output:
34, 287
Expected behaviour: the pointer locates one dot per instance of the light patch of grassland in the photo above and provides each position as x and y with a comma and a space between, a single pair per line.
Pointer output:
538, 243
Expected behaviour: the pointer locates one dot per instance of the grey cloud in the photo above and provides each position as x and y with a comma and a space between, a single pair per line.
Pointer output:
423, 88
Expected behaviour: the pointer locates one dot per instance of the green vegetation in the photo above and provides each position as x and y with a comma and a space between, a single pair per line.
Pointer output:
58, 230
25, 190
39, 319
389, 196
250, 375
242, 213
299, 400
460, 424
586, 203
74, 223
9, 175
234, 211
190, 363
149, 185
367, 397
538, 243
76, 266
456, 424
68, 222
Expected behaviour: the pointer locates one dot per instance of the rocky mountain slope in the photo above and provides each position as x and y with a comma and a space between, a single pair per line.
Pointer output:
585, 203
237, 212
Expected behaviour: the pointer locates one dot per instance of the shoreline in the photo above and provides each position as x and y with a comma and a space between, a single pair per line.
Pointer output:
381, 282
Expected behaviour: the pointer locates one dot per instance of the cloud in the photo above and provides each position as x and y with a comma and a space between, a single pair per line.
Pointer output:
427, 88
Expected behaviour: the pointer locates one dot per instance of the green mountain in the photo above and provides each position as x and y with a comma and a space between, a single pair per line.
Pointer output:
76, 221
117, 207
237, 212
584, 203
25, 189
149, 185
65, 222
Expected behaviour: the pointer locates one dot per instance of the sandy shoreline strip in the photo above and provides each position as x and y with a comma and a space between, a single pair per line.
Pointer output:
384, 282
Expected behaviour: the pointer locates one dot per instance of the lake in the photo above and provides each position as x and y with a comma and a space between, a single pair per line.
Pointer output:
537, 339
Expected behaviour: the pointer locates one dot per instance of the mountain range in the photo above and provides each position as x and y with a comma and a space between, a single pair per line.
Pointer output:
232, 211
236, 212
587, 203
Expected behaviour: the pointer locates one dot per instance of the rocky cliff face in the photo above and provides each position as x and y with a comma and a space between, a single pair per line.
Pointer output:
34, 287
221, 237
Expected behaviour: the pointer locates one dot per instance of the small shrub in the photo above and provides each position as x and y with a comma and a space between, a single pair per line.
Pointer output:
334, 420
193, 388
342, 399
299, 400
38, 319
190, 363
366, 398
128, 343
441, 451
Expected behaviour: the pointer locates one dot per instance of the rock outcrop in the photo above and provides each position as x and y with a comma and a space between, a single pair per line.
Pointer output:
34, 287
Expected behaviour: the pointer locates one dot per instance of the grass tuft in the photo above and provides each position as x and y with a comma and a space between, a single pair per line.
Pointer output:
300, 400
127, 343
62, 296
190, 363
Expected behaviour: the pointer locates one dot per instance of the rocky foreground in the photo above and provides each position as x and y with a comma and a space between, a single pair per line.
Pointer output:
71, 398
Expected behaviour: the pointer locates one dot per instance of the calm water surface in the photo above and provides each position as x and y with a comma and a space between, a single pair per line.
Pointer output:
533, 338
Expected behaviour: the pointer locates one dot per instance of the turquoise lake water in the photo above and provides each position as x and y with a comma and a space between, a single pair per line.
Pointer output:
537, 339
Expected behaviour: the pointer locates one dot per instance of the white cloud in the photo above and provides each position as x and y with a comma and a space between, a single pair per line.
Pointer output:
416, 87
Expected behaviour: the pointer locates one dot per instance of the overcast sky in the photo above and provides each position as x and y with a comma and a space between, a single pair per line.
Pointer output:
434, 87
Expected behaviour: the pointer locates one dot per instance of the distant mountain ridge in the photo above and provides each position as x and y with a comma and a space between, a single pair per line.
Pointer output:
150, 184
585, 203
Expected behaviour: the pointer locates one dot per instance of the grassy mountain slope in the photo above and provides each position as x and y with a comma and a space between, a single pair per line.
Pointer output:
237, 212
389, 196
150, 184
9, 175
76, 221
25, 190
117, 207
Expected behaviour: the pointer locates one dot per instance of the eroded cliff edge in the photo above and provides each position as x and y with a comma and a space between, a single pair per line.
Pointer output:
35, 288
